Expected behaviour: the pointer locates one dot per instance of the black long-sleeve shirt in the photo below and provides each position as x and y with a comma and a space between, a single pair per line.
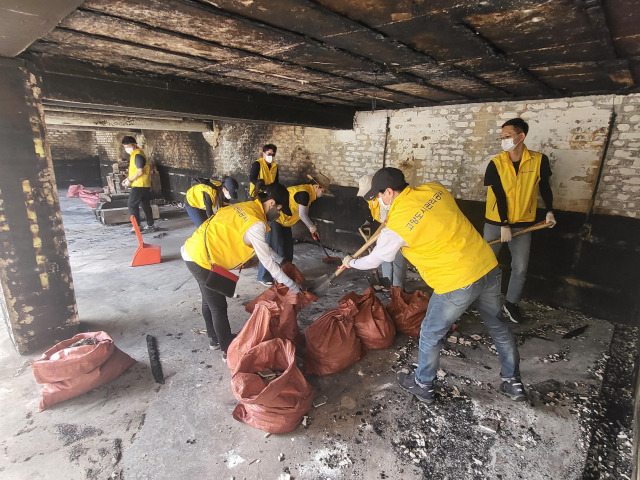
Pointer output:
254, 173
492, 179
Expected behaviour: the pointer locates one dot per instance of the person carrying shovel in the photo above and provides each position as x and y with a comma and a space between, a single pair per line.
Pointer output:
300, 199
451, 256
395, 271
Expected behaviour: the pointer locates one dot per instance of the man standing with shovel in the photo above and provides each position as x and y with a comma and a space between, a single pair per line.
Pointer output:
451, 257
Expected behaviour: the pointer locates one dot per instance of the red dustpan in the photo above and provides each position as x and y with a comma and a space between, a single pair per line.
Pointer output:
146, 253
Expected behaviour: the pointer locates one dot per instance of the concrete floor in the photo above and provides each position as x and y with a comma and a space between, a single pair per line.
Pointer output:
368, 428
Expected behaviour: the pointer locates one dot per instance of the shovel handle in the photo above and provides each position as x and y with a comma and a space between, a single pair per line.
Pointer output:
532, 228
363, 248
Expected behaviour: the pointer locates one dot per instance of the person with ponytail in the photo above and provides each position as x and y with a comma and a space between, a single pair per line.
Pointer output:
206, 197
228, 240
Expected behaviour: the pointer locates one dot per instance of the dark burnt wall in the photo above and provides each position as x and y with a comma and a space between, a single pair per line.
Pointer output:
75, 158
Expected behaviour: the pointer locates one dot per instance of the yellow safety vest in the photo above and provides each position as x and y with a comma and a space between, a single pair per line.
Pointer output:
224, 236
374, 207
194, 195
267, 174
144, 180
521, 189
290, 221
447, 250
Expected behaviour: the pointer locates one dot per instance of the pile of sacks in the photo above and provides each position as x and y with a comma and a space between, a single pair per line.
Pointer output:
77, 365
277, 402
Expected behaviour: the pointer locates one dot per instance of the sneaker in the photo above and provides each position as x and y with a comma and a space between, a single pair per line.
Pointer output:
151, 228
132, 230
266, 283
512, 312
513, 389
407, 382
213, 344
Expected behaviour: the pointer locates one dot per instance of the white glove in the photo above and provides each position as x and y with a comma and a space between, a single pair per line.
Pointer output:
345, 261
126, 182
505, 234
550, 219
313, 229
295, 288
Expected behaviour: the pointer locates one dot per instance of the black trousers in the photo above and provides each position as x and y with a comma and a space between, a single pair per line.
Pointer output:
139, 195
280, 239
214, 309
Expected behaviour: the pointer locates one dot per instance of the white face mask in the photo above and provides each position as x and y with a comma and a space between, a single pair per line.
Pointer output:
227, 195
129, 150
508, 145
268, 158
384, 209
319, 194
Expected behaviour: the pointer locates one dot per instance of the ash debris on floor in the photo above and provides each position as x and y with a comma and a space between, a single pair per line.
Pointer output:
576, 423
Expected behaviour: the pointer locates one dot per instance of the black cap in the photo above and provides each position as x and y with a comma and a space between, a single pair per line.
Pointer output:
128, 140
232, 187
387, 177
279, 193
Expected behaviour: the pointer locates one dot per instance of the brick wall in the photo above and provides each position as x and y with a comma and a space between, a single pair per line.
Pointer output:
71, 144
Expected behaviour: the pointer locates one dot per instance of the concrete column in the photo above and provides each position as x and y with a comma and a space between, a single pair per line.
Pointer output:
37, 301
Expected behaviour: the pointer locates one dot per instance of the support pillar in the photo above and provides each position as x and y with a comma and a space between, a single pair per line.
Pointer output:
37, 301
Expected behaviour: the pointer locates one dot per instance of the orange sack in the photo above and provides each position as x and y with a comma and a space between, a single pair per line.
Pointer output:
71, 371
408, 310
289, 304
263, 324
374, 326
276, 407
332, 343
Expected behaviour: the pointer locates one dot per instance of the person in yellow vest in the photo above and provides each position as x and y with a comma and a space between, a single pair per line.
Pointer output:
205, 198
228, 239
514, 179
140, 182
280, 238
451, 256
265, 168
395, 271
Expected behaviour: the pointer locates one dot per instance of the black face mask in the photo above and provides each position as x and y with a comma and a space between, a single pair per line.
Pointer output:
272, 214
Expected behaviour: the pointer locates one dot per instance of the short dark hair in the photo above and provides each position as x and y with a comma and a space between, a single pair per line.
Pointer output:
129, 140
270, 146
518, 124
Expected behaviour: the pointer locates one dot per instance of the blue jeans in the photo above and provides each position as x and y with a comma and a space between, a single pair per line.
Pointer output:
519, 248
445, 309
396, 271
280, 239
196, 215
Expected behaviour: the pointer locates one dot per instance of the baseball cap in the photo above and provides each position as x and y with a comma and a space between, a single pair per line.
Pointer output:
364, 185
387, 177
128, 140
232, 186
280, 194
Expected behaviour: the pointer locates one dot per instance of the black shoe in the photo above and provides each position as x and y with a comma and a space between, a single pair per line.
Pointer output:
512, 312
213, 344
151, 228
407, 382
514, 390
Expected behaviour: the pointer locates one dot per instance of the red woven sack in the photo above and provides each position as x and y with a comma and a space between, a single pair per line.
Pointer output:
62, 361
332, 343
373, 325
289, 303
57, 392
279, 406
408, 310
262, 325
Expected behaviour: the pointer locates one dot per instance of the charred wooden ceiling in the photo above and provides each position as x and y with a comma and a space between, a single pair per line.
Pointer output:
356, 54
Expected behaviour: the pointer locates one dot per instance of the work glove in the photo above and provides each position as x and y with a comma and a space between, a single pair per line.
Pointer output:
313, 230
550, 219
505, 234
126, 182
345, 261
295, 288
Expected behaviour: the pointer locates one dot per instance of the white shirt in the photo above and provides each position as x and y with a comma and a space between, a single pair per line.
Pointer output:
387, 246
303, 211
255, 236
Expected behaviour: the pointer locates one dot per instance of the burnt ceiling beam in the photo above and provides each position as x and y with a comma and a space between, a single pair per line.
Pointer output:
179, 98
598, 19
375, 66
469, 32
384, 39
358, 83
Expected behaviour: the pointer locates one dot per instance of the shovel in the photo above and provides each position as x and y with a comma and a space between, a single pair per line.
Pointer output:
532, 228
323, 285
